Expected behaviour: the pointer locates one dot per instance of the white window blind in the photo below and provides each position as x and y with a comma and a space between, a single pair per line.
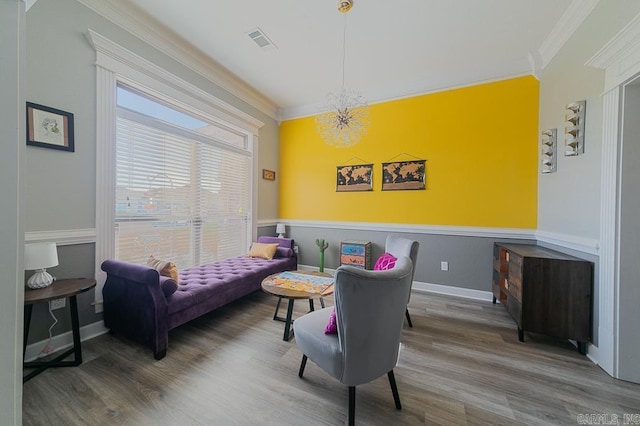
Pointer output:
183, 189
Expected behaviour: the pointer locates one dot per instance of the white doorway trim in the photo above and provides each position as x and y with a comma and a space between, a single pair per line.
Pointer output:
620, 58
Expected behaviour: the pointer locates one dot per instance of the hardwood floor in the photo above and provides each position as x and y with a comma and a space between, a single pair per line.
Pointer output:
461, 363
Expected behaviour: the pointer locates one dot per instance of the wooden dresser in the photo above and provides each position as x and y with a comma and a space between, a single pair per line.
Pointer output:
545, 291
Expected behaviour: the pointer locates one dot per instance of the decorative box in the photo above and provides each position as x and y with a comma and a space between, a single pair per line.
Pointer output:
356, 253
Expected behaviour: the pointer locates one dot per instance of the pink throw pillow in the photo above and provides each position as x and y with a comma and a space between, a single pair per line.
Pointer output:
385, 262
332, 327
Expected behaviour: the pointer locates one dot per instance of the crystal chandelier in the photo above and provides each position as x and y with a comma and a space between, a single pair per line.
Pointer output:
346, 115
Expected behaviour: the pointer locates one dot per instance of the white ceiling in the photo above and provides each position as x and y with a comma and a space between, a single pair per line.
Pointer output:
394, 48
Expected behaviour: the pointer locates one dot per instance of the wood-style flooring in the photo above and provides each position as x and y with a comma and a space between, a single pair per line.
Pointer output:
461, 363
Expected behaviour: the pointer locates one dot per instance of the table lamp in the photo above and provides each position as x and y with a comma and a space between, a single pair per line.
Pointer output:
38, 257
281, 229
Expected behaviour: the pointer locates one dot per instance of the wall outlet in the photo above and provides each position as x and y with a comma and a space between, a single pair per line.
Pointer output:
444, 266
58, 303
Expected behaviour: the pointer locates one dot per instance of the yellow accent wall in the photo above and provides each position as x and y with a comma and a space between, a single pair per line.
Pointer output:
481, 147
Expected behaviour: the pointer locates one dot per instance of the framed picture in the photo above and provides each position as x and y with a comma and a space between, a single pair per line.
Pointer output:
403, 175
354, 178
49, 127
268, 174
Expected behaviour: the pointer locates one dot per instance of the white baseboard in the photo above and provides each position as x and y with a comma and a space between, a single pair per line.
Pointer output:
65, 340
604, 354
467, 293
421, 287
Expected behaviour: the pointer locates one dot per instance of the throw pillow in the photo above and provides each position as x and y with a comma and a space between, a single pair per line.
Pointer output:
164, 268
385, 262
263, 251
283, 252
332, 326
168, 285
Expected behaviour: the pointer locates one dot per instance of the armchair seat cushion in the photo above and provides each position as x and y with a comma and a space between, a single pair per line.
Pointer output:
321, 348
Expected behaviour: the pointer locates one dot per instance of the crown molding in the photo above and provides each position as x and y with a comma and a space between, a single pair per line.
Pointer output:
120, 60
568, 23
620, 57
317, 108
142, 26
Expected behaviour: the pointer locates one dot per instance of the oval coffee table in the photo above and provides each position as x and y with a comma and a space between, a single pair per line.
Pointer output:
292, 285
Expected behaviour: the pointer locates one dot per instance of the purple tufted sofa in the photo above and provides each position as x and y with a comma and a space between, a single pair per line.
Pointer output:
143, 306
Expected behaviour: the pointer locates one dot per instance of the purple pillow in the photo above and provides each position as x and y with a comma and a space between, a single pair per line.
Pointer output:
385, 262
332, 327
168, 285
283, 252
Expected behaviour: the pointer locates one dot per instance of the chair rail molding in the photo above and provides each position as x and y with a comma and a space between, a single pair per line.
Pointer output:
64, 237
464, 231
582, 244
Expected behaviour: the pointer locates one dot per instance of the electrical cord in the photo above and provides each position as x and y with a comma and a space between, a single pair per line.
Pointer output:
48, 348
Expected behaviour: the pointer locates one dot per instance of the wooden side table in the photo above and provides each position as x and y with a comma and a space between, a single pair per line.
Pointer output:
68, 288
269, 287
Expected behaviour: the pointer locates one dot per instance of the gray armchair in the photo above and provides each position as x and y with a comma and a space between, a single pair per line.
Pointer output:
370, 308
398, 246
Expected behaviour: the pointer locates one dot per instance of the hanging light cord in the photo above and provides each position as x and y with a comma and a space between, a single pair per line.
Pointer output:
344, 46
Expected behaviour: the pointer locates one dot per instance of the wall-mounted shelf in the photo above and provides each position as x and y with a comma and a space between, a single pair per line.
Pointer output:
574, 128
549, 149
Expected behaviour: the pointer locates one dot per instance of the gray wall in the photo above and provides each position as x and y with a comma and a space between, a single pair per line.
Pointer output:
470, 258
569, 200
12, 123
76, 261
629, 332
60, 186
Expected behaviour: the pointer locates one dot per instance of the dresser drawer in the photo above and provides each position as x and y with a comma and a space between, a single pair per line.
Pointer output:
356, 253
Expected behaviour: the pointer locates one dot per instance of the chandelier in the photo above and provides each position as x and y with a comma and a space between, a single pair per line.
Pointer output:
346, 115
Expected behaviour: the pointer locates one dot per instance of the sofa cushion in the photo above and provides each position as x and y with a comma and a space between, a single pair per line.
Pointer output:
332, 326
164, 267
215, 284
284, 252
262, 250
282, 242
168, 285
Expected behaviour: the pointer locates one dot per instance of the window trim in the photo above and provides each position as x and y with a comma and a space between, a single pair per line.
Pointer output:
116, 64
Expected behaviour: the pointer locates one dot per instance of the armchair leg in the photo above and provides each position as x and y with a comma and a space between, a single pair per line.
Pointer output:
408, 318
352, 405
394, 389
302, 365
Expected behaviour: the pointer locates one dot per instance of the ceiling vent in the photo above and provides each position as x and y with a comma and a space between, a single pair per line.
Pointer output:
261, 39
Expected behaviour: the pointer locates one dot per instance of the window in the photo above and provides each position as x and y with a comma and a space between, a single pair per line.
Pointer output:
155, 131
183, 183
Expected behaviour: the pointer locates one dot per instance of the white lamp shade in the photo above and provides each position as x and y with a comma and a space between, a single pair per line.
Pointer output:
281, 228
40, 256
